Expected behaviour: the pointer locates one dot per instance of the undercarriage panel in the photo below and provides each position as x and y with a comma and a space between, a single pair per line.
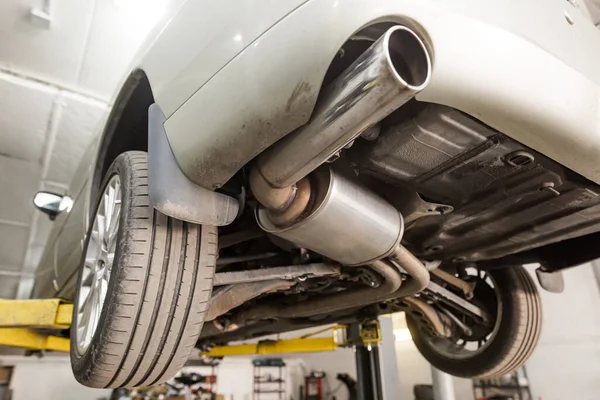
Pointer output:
505, 197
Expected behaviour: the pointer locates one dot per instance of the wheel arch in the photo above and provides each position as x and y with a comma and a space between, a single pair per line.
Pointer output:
127, 125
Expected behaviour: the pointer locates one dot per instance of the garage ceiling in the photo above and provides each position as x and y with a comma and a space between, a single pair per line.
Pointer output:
56, 81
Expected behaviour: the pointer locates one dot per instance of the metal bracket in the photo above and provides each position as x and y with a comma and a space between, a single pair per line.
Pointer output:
466, 287
455, 301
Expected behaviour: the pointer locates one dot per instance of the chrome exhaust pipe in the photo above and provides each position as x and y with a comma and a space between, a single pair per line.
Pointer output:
391, 72
329, 213
388, 74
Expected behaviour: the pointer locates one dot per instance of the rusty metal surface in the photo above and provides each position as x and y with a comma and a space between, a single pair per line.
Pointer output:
426, 315
235, 295
289, 272
466, 287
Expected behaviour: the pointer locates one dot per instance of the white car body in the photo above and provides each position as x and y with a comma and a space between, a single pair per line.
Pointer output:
529, 69
521, 67
494, 165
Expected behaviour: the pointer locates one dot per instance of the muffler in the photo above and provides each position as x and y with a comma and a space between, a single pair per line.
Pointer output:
391, 72
345, 222
326, 211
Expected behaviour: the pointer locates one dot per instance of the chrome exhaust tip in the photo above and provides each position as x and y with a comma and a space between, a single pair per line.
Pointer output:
388, 74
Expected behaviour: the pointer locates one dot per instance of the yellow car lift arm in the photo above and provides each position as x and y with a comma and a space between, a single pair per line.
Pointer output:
370, 335
274, 347
20, 319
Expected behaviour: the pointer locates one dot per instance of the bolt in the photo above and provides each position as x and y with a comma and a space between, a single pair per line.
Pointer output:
549, 186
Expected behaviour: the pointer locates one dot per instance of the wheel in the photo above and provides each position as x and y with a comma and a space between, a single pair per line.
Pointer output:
510, 295
143, 287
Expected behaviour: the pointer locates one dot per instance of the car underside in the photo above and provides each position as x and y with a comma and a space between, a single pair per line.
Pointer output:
383, 201
472, 200
469, 195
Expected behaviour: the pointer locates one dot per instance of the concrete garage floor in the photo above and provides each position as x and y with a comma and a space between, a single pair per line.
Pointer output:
56, 82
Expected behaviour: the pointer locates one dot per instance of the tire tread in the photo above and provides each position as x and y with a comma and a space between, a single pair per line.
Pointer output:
516, 340
160, 291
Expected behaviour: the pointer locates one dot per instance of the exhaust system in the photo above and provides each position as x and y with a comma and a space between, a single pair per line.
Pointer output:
391, 72
327, 212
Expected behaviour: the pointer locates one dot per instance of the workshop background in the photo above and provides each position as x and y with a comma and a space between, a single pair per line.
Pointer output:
60, 62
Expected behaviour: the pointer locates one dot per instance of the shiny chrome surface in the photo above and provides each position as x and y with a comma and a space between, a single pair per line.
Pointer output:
387, 75
348, 223
97, 267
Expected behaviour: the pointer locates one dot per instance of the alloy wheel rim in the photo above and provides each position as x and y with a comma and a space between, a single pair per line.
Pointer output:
97, 266
468, 349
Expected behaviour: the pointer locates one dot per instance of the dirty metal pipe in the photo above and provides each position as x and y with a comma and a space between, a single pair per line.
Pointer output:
418, 272
417, 281
232, 296
413, 267
332, 302
288, 272
391, 288
391, 72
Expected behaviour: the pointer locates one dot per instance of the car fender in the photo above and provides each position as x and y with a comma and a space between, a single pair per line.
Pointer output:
198, 40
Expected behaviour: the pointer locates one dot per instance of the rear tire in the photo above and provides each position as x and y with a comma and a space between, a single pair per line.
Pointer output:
159, 288
518, 331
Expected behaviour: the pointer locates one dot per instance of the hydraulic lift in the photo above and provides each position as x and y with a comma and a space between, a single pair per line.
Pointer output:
35, 324
364, 338
44, 325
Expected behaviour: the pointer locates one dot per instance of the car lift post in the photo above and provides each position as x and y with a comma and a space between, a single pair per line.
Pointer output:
365, 339
27, 323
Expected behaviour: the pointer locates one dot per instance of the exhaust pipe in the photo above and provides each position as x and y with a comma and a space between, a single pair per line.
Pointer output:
327, 212
392, 288
329, 303
391, 72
